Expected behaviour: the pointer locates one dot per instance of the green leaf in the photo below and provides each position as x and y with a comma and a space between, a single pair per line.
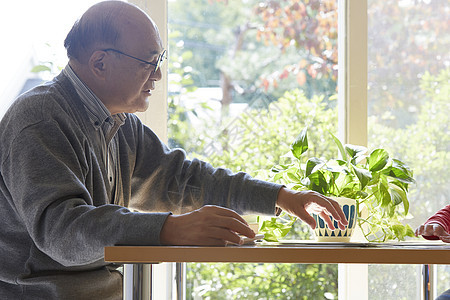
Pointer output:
399, 171
382, 194
336, 167
318, 183
297, 187
391, 210
399, 231
306, 182
274, 170
293, 176
355, 150
350, 193
341, 162
361, 195
409, 231
398, 196
300, 145
274, 230
270, 237
277, 176
363, 175
376, 177
312, 163
40, 68
402, 185
399, 165
378, 159
340, 147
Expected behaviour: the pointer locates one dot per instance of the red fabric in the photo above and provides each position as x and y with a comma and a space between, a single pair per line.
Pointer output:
442, 218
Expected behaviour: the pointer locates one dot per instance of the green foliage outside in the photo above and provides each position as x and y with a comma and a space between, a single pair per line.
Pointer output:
424, 145
264, 134
262, 281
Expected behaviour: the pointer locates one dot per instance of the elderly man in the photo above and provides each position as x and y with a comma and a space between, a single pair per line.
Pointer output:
80, 172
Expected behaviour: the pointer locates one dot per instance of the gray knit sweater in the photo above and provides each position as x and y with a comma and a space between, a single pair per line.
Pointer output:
58, 210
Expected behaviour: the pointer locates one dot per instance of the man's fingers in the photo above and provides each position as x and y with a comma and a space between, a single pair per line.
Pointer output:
333, 208
222, 236
223, 211
327, 220
229, 220
329, 207
234, 225
309, 220
300, 203
209, 225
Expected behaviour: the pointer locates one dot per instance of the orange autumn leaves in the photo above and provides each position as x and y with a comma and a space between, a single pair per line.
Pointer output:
311, 27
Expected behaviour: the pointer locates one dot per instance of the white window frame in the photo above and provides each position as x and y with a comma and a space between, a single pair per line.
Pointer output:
352, 115
163, 279
156, 115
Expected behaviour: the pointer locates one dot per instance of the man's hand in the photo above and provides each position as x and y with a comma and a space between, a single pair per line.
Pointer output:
302, 203
433, 229
209, 225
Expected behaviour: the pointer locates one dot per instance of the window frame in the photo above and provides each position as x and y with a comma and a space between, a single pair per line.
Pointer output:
156, 115
352, 114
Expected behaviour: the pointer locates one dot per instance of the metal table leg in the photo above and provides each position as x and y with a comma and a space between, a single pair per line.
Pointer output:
137, 282
428, 282
180, 281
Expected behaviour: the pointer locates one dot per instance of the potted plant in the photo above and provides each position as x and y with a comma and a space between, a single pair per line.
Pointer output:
374, 181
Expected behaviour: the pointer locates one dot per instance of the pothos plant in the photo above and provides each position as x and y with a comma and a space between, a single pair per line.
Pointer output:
377, 182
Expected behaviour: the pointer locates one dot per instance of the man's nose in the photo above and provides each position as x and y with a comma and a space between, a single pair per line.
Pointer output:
156, 76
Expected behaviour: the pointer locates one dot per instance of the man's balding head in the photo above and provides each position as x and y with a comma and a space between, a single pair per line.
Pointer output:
104, 25
113, 49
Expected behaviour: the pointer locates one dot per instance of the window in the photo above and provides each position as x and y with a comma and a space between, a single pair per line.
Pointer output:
408, 113
390, 25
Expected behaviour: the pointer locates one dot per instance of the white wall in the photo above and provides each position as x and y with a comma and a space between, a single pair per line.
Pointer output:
25, 28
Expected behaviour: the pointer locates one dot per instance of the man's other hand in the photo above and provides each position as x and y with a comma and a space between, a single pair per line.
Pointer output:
207, 226
302, 203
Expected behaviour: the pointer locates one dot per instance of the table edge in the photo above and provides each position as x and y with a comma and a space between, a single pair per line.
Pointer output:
310, 255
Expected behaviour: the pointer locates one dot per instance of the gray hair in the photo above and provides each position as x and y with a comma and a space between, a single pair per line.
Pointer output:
97, 26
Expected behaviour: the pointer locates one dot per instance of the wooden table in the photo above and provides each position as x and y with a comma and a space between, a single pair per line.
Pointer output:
287, 252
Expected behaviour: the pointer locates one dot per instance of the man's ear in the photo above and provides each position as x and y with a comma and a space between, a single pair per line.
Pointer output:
98, 64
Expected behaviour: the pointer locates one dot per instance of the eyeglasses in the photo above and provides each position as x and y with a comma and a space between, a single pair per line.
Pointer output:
157, 65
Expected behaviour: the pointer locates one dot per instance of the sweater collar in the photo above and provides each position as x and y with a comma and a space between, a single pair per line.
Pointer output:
97, 111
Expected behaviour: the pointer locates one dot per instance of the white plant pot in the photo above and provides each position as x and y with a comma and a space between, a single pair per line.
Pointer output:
324, 234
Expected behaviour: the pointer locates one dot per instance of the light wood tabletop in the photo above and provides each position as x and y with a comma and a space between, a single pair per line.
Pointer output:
291, 252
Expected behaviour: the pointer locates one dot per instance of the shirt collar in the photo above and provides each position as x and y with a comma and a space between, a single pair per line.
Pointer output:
97, 111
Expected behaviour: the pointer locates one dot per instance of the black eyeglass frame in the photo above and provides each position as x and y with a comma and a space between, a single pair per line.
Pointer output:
157, 65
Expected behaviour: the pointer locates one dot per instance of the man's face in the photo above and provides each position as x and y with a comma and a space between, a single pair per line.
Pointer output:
131, 81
